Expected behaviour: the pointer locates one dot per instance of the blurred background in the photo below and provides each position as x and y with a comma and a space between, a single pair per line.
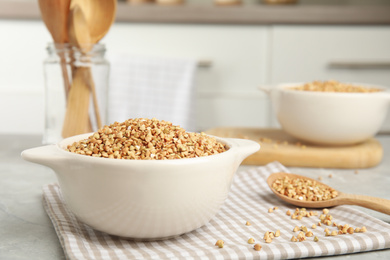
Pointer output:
234, 50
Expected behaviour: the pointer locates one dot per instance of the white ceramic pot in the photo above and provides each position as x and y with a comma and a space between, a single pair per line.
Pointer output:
329, 118
143, 199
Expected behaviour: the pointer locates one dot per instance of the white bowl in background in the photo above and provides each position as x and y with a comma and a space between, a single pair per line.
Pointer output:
329, 118
143, 199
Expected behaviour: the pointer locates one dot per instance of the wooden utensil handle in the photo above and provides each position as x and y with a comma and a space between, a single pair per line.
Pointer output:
65, 75
76, 119
378, 204
94, 99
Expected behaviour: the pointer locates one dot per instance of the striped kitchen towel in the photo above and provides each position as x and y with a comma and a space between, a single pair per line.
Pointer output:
249, 200
147, 87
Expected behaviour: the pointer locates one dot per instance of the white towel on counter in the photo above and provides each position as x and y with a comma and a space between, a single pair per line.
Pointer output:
148, 87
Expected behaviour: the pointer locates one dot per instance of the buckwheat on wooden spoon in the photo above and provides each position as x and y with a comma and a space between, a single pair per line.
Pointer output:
309, 193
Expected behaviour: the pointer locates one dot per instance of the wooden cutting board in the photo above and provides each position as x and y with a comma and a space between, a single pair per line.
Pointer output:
276, 145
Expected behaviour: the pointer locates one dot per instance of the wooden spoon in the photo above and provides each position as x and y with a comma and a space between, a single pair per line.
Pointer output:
78, 29
77, 111
55, 16
99, 14
378, 204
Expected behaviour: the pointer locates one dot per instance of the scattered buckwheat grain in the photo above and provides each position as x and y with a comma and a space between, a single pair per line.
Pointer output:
220, 243
257, 247
309, 234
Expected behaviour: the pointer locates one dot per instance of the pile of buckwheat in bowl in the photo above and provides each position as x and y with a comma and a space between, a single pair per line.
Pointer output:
335, 86
146, 139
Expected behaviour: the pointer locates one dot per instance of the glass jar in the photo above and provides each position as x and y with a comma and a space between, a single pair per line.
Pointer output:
76, 90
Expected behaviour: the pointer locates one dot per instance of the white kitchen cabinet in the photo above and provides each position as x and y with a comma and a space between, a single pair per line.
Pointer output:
358, 54
227, 90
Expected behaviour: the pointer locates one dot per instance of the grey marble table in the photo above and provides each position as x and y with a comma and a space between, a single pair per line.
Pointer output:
27, 233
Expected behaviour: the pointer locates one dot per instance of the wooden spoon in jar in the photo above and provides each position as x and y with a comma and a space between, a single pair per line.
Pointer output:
54, 14
99, 15
377, 204
77, 110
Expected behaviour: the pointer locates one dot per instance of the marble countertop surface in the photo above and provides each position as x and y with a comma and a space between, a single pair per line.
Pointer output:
26, 231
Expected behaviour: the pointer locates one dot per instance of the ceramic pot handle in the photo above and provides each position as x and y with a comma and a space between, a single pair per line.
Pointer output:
245, 147
46, 155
